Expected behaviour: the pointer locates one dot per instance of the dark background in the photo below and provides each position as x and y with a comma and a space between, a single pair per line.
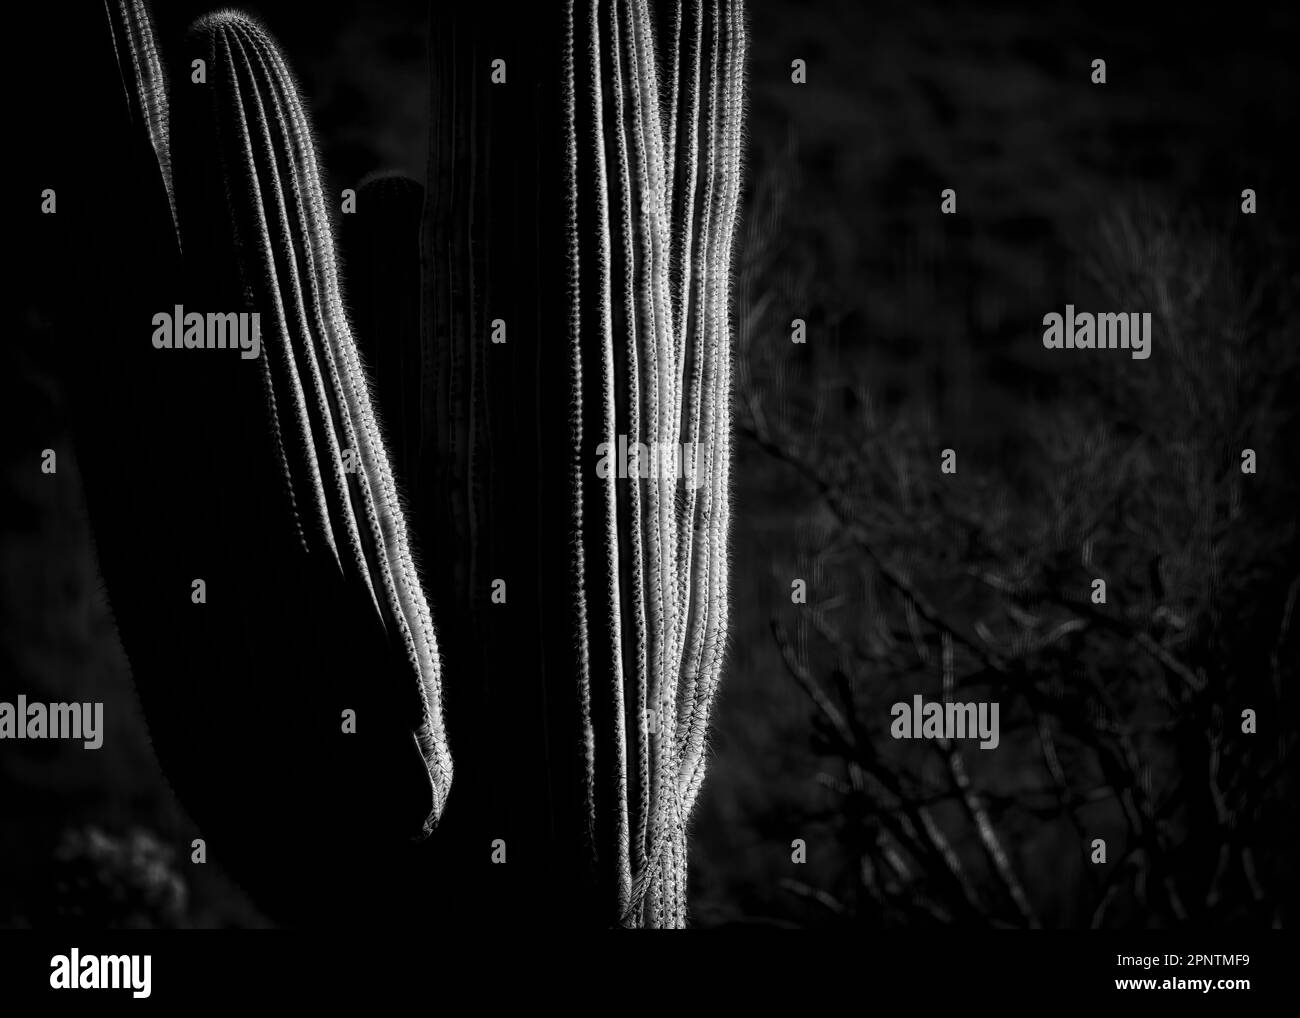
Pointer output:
924, 333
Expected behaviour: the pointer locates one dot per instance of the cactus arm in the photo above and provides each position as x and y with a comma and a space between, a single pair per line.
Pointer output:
312, 372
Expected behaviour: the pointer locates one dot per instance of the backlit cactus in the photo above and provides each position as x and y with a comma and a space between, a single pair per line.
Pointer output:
328, 438
653, 184
574, 260
261, 600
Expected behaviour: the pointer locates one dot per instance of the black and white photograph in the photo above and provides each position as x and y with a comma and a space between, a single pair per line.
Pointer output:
494, 472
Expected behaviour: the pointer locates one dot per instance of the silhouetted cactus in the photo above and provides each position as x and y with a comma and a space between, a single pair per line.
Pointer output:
198, 465
319, 398
576, 252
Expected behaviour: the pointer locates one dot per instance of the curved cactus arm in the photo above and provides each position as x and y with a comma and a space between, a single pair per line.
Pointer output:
312, 374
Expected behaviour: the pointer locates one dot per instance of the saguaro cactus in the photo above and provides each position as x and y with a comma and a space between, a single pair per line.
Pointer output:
584, 179
653, 186
263, 591
328, 440
589, 203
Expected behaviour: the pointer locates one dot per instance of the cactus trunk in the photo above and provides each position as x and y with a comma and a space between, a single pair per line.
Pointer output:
653, 185
603, 240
